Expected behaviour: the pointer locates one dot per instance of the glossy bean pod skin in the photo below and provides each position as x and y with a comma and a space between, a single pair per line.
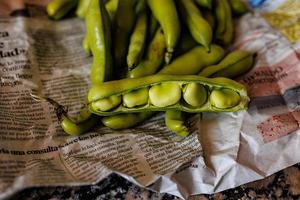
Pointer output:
220, 16
224, 30
99, 40
121, 87
175, 121
154, 57
193, 61
57, 9
198, 26
123, 24
82, 8
234, 64
78, 127
123, 121
84, 122
228, 35
166, 14
137, 41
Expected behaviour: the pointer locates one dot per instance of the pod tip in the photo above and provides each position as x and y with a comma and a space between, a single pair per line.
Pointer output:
168, 57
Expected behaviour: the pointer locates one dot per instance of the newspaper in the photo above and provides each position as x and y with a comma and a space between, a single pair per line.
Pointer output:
223, 150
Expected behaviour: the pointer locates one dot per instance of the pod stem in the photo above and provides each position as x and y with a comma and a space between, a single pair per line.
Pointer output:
168, 57
60, 110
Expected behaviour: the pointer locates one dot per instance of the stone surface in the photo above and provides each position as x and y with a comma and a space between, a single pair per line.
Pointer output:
283, 185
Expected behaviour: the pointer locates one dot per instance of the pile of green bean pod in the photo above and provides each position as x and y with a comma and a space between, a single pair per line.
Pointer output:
151, 55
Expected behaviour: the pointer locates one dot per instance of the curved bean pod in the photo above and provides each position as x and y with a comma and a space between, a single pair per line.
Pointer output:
166, 14
193, 61
174, 120
77, 128
123, 25
137, 41
228, 35
98, 29
198, 26
123, 121
220, 15
224, 32
154, 57
234, 64
120, 87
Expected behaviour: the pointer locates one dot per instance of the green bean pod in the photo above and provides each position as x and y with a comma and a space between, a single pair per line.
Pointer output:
99, 37
238, 7
165, 93
123, 121
78, 128
204, 3
227, 35
194, 60
220, 14
234, 64
174, 121
111, 7
137, 41
123, 25
82, 8
166, 14
57, 9
154, 57
198, 26
85, 120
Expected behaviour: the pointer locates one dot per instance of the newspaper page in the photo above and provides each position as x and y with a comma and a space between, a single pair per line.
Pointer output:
222, 151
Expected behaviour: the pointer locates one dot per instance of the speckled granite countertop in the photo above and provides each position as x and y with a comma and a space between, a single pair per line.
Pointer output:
282, 185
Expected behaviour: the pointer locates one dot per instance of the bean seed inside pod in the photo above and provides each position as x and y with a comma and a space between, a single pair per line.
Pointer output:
165, 94
195, 94
136, 98
107, 103
224, 98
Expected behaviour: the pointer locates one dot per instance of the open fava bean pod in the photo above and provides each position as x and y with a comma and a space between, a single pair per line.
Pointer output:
188, 93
